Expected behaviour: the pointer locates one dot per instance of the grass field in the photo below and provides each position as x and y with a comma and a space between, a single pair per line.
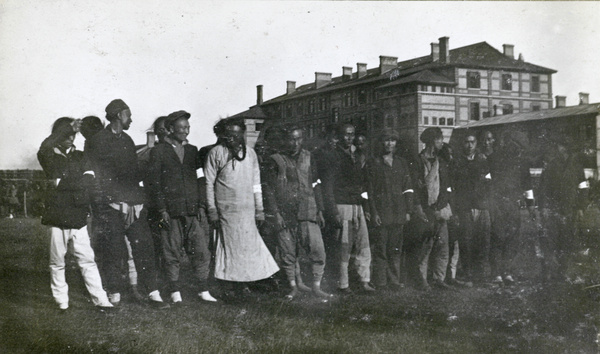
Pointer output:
527, 317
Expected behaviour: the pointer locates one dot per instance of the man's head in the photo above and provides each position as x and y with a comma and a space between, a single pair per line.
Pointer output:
488, 141
331, 136
277, 140
470, 144
296, 139
178, 126
389, 140
64, 124
360, 142
346, 135
117, 112
159, 128
433, 137
233, 133
90, 125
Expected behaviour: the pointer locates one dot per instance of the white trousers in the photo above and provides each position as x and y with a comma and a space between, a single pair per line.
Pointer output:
77, 241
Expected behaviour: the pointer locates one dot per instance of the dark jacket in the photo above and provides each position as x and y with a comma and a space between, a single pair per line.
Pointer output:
66, 204
469, 183
559, 188
390, 190
288, 187
114, 161
421, 194
510, 176
343, 179
173, 185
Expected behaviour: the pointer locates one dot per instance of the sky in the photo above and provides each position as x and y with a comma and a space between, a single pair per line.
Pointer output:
72, 57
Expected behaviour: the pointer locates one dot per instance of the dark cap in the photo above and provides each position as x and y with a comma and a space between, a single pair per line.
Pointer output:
390, 134
430, 134
171, 118
116, 106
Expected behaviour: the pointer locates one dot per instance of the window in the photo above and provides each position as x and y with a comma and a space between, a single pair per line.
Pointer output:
507, 82
424, 88
433, 88
507, 108
258, 126
362, 96
433, 120
473, 79
450, 121
474, 111
535, 107
535, 83
288, 110
322, 104
335, 114
299, 109
311, 106
348, 99
425, 120
442, 121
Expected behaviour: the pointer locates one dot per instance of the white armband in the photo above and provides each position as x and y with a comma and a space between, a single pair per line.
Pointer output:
529, 194
488, 176
90, 173
408, 191
315, 183
449, 190
141, 183
256, 188
365, 195
583, 185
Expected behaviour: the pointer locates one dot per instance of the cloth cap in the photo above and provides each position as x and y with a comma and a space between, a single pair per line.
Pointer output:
116, 106
390, 134
171, 118
430, 134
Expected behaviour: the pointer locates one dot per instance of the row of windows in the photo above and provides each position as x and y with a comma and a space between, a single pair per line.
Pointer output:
474, 81
438, 121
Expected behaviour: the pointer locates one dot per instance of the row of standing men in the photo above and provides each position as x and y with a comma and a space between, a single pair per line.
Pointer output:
304, 194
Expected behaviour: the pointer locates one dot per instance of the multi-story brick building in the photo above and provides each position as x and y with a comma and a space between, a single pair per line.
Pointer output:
446, 88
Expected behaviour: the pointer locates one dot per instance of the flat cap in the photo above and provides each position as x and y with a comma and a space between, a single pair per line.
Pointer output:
430, 134
116, 106
171, 118
389, 134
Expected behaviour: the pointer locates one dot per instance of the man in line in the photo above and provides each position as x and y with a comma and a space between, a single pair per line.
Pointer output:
112, 156
431, 180
296, 209
390, 195
343, 184
235, 206
66, 210
471, 177
174, 192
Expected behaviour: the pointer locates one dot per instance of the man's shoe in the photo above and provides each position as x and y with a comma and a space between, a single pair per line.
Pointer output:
460, 284
136, 293
106, 308
114, 298
63, 307
317, 292
423, 286
498, 280
206, 296
303, 288
395, 287
508, 280
292, 294
159, 305
344, 291
366, 287
176, 298
441, 285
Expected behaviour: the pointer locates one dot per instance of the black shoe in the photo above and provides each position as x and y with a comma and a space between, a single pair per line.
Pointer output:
460, 284
106, 309
441, 285
159, 305
395, 287
423, 286
344, 291
367, 287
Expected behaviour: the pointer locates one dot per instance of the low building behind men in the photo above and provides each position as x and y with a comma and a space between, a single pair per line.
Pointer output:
173, 185
112, 156
390, 193
66, 210
470, 177
297, 212
343, 183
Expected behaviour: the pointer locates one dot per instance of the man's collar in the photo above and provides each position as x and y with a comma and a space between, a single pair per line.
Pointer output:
173, 142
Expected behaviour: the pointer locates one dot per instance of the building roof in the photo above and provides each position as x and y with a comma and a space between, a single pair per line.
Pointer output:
479, 55
580, 110
255, 112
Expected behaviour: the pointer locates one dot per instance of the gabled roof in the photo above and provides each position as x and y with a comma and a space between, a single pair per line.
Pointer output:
562, 112
425, 76
255, 112
479, 55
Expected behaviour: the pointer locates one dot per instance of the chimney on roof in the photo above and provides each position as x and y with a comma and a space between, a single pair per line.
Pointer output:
561, 101
361, 69
435, 52
387, 63
322, 79
259, 95
444, 50
346, 73
509, 50
584, 98
521, 57
150, 139
291, 87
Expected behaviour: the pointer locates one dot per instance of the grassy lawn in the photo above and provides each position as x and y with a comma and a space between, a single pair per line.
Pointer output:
527, 317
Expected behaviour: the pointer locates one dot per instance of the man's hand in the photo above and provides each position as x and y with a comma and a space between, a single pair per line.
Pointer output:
421, 214
280, 222
213, 220
338, 222
165, 220
579, 215
377, 220
368, 216
320, 219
